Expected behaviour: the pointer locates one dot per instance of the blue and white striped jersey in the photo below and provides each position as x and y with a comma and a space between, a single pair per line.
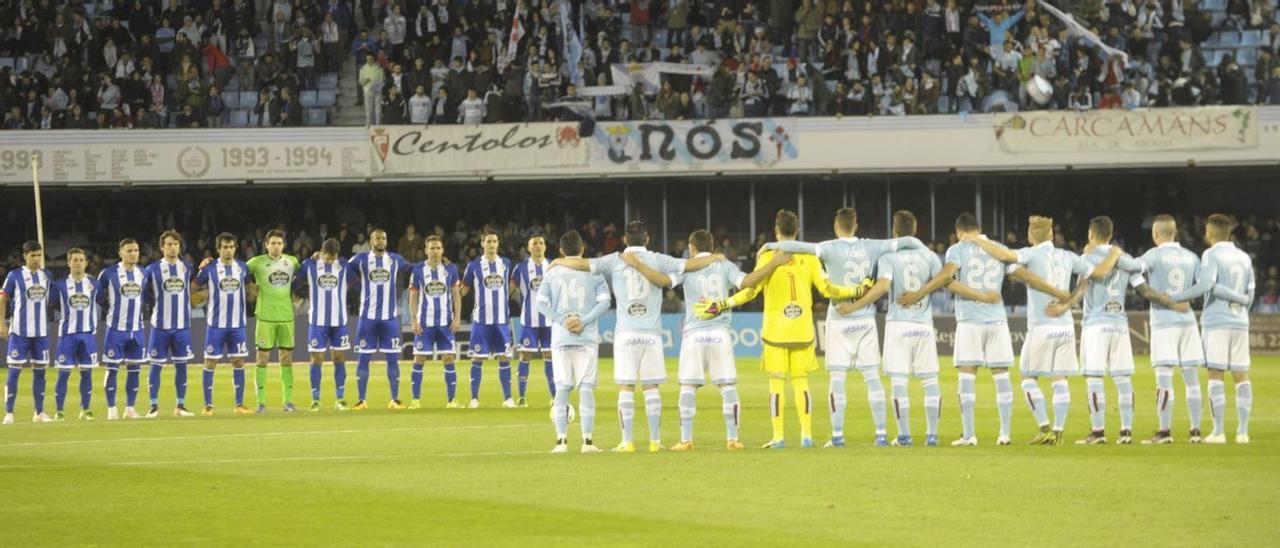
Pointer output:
1227, 283
226, 306
77, 300
717, 281
1104, 300
979, 271
170, 293
848, 261
30, 292
487, 279
908, 270
566, 292
639, 302
326, 292
527, 275
435, 286
378, 273
123, 288
1056, 267
1170, 269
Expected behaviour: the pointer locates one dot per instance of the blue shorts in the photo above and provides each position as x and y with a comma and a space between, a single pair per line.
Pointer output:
77, 350
24, 350
170, 345
489, 341
320, 338
535, 339
373, 336
123, 346
225, 343
432, 341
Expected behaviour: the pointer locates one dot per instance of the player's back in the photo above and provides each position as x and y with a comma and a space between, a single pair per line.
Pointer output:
788, 300
1235, 272
979, 271
713, 283
639, 301
908, 271
848, 261
1104, 300
574, 293
1170, 269
1054, 266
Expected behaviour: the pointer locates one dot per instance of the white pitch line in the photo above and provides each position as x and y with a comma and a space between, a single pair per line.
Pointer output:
318, 458
256, 435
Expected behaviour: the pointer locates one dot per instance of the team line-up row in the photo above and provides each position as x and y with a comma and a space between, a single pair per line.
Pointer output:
564, 298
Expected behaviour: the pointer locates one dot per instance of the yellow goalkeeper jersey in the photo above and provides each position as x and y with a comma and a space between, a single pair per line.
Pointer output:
788, 298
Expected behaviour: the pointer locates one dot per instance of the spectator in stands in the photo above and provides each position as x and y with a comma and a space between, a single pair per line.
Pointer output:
290, 109
371, 79
420, 106
215, 109
394, 109
471, 110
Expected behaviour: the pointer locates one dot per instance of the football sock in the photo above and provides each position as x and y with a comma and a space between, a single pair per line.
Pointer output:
549, 371
1164, 397
688, 408
968, 398
37, 388
1004, 401
450, 381
86, 387
339, 379
132, 382
777, 400
901, 405
1244, 405
362, 375
522, 377
804, 406
626, 411
476, 373
109, 384
875, 397
237, 380
1195, 400
504, 379
1061, 404
1035, 399
587, 410
11, 388
1124, 393
415, 380
180, 382
316, 376
260, 383
393, 376
560, 414
837, 400
730, 407
153, 383
1217, 403
932, 404
653, 411
60, 389
286, 382
206, 385
1097, 403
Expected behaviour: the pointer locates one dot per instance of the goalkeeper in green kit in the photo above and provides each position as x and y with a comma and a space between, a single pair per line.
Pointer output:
272, 286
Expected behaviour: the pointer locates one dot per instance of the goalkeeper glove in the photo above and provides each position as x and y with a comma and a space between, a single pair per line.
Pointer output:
706, 310
862, 288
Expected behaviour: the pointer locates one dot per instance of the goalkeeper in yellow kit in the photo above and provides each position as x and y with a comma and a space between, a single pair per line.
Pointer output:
788, 331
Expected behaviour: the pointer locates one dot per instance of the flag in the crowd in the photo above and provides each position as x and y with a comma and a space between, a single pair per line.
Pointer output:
513, 43
572, 45
1077, 29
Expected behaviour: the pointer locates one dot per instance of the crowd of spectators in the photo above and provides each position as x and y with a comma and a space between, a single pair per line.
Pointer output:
140, 63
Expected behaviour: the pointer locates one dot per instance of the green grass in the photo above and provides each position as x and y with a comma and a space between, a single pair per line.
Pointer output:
451, 477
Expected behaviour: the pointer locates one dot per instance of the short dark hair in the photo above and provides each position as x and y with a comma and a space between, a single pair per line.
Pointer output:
904, 223
489, 232
966, 222
77, 251
537, 234
127, 241
637, 233
331, 247
170, 234
229, 237
1102, 226
846, 218
30, 246
571, 243
376, 230
432, 238
703, 240
273, 233
1221, 225
786, 223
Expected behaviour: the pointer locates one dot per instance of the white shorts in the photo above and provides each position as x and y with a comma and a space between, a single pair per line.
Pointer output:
1177, 345
1106, 349
707, 352
852, 343
637, 359
910, 349
984, 344
1227, 349
575, 366
1050, 351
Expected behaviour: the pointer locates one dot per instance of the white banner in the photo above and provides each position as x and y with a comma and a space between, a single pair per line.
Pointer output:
628, 75
417, 150
165, 156
1128, 130
751, 143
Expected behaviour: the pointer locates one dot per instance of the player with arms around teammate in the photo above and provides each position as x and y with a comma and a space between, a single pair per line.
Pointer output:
852, 340
573, 301
168, 281
326, 278
435, 297
273, 275
120, 289
76, 296
487, 276
788, 333
535, 329
1226, 281
910, 343
378, 329
982, 332
224, 279
1175, 337
29, 289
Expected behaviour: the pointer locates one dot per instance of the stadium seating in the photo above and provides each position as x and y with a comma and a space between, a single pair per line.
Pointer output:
248, 99
308, 98
327, 98
231, 98
238, 118
316, 117
327, 81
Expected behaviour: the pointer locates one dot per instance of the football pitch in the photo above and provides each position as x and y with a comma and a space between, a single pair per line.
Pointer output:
457, 476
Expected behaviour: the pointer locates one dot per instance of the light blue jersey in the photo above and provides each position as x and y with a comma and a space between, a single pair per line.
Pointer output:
979, 271
1170, 269
564, 293
639, 302
1055, 266
1104, 300
1226, 281
848, 261
908, 271
713, 283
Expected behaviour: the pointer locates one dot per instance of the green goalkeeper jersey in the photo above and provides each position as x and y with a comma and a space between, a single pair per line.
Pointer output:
275, 281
